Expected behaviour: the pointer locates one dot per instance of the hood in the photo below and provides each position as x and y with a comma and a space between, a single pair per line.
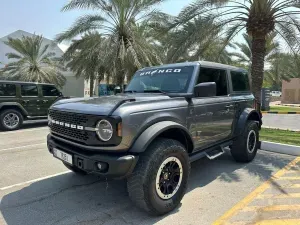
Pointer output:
102, 105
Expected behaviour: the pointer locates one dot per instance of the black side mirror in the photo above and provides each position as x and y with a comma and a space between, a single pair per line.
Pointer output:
207, 89
60, 94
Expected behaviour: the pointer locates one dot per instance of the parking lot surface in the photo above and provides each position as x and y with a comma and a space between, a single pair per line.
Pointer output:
36, 188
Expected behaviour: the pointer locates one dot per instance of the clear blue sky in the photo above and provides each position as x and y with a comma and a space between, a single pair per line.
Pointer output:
44, 16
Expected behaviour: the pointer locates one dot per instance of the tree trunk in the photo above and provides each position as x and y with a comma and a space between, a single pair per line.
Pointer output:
91, 86
257, 67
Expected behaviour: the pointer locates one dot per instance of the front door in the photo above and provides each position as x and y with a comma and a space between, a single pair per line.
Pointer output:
30, 99
49, 95
214, 115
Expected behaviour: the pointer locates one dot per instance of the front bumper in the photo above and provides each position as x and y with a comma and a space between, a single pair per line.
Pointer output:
117, 165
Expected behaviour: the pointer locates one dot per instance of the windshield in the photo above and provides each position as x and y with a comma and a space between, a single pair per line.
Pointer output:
164, 80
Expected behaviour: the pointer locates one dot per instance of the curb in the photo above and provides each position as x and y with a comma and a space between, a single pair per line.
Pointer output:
280, 148
273, 112
288, 105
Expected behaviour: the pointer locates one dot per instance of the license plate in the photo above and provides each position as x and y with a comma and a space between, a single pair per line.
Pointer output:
63, 156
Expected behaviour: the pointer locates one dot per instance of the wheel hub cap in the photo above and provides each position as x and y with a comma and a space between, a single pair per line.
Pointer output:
11, 120
251, 141
168, 178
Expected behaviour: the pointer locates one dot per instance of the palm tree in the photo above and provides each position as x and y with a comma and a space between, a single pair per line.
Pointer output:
259, 17
188, 42
86, 58
32, 62
244, 55
283, 67
117, 20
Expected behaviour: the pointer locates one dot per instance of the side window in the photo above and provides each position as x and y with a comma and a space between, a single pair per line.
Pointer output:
7, 90
29, 90
50, 90
214, 75
240, 81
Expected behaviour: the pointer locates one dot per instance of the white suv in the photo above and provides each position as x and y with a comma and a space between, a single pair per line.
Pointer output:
276, 93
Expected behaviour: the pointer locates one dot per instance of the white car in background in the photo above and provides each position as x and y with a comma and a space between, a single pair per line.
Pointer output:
276, 93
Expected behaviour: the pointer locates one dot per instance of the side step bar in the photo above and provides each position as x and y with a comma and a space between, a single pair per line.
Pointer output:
211, 153
215, 153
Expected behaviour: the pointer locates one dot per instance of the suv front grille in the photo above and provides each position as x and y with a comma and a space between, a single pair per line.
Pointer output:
68, 132
79, 135
71, 118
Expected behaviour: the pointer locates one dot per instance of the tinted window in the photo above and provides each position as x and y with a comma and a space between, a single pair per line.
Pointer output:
240, 81
7, 90
29, 90
49, 90
214, 75
170, 80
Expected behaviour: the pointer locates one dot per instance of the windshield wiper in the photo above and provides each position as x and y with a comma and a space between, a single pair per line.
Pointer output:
155, 91
130, 91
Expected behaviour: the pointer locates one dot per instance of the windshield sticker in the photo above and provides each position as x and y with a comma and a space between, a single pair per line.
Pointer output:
157, 71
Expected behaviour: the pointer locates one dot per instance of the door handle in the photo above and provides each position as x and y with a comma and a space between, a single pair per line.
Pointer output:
229, 106
45, 101
25, 101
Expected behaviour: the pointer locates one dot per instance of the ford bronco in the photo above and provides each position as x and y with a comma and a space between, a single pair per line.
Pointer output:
168, 117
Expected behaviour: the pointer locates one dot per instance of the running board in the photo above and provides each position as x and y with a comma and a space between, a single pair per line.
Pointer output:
211, 153
215, 153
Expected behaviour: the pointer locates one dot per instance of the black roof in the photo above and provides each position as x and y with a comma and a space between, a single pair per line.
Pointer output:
21, 82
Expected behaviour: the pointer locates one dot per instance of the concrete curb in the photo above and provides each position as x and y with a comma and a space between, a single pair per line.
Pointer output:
280, 148
273, 112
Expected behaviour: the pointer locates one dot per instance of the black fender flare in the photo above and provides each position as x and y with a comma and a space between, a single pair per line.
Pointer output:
247, 114
144, 140
15, 104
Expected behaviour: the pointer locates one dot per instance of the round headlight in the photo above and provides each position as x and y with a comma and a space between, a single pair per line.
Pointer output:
104, 130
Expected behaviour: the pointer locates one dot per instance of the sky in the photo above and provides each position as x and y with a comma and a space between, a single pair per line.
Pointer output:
44, 17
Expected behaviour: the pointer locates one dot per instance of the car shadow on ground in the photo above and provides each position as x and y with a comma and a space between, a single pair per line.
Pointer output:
32, 124
72, 199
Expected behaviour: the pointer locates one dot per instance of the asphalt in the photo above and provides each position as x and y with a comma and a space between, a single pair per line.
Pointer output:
290, 122
36, 188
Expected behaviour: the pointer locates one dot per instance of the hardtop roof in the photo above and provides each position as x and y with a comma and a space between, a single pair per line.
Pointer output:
201, 63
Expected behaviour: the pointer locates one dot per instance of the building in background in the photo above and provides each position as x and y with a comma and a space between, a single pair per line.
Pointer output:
291, 91
73, 87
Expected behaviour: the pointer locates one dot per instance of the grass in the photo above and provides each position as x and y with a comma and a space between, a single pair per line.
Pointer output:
280, 136
284, 109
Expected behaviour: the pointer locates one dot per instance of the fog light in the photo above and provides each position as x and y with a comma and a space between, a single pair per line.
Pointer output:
102, 166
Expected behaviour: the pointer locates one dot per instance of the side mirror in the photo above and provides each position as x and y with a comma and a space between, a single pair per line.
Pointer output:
207, 89
60, 94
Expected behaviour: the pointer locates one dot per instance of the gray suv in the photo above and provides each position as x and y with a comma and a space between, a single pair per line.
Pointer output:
168, 117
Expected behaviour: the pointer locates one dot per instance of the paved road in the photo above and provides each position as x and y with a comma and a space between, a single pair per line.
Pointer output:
284, 121
37, 189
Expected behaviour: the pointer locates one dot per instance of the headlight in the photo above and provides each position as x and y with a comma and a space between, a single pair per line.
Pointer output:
104, 130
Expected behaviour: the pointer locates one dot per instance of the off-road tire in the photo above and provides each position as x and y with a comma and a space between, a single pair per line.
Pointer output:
240, 149
4, 113
75, 169
141, 184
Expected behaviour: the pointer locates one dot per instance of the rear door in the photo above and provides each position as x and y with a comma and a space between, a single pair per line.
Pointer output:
30, 99
8, 93
49, 93
241, 91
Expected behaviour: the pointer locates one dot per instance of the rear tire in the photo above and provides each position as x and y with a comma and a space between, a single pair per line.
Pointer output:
75, 169
10, 119
160, 178
245, 147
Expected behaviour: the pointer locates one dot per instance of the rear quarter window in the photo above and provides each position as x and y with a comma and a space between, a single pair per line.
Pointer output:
240, 81
7, 90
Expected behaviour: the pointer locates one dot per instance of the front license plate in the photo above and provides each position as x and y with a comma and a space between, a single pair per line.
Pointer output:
63, 156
